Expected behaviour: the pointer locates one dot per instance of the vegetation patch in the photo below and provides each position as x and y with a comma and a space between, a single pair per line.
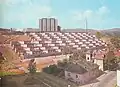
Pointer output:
7, 73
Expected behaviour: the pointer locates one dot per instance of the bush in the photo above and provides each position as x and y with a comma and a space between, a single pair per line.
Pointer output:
110, 62
52, 69
6, 73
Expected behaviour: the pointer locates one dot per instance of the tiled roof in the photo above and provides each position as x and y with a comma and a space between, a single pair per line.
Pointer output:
75, 68
99, 54
80, 66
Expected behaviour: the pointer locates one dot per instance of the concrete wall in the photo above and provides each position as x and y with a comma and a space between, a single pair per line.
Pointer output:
118, 78
88, 57
82, 78
99, 62
54, 58
73, 78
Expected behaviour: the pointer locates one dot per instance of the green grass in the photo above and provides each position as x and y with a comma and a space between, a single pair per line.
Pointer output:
6, 73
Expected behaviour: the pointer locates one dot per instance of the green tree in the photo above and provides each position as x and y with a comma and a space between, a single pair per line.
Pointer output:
77, 55
63, 63
31, 79
110, 61
115, 41
52, 69
99, 35
1, 63
32, 66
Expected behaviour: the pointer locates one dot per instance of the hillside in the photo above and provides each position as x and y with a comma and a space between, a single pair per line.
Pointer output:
112, 32
10, 56
108, 32
80, 30
5, 39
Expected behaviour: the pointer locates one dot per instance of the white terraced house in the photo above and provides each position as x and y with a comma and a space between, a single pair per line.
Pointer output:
52, 43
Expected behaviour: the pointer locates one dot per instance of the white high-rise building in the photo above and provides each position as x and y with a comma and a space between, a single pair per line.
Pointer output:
48, 24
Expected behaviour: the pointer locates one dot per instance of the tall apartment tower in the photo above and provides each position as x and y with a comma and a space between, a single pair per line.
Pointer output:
48, 24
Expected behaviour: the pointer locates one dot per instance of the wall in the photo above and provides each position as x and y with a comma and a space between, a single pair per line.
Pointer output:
88, 57
54, 58
73, 78
83, 78
99, 62
118, 78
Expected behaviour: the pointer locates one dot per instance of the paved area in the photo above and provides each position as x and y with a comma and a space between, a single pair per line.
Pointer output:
105, 80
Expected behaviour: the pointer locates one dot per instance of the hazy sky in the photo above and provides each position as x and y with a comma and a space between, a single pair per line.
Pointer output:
100, 14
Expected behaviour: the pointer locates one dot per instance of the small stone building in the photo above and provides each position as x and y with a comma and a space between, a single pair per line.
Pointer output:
81, 72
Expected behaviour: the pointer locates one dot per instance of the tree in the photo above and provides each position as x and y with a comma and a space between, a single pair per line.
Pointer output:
115, 41
52, 69
67, 50
110, 47
31, 79
1, 63
77, 55
110, 61
32, 66
99, 35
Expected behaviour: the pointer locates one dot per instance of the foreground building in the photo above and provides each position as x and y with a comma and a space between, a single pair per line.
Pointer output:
97, 56
81, 72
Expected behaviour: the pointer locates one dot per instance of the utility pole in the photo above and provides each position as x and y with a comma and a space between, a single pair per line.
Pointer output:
86, 24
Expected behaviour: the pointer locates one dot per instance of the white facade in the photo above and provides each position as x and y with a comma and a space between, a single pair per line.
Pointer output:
52, 24
44, 25
88, 57
99, 62
48, 25
118, 78
82, 78
75, 77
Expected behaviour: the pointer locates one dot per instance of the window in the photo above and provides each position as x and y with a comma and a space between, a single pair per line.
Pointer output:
70, 56
90, 55
76, 76
104, 56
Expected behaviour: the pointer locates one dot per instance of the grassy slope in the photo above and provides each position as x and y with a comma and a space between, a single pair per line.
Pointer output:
8, 66
41, 79
7, 38
8, 53
106, 39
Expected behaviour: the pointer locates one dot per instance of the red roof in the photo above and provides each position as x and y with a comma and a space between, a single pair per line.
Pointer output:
99, 55
117, 53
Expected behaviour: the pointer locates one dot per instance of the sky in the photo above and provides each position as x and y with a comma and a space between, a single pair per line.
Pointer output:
100, 14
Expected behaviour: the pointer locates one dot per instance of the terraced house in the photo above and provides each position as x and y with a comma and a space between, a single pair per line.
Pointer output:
53, 43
